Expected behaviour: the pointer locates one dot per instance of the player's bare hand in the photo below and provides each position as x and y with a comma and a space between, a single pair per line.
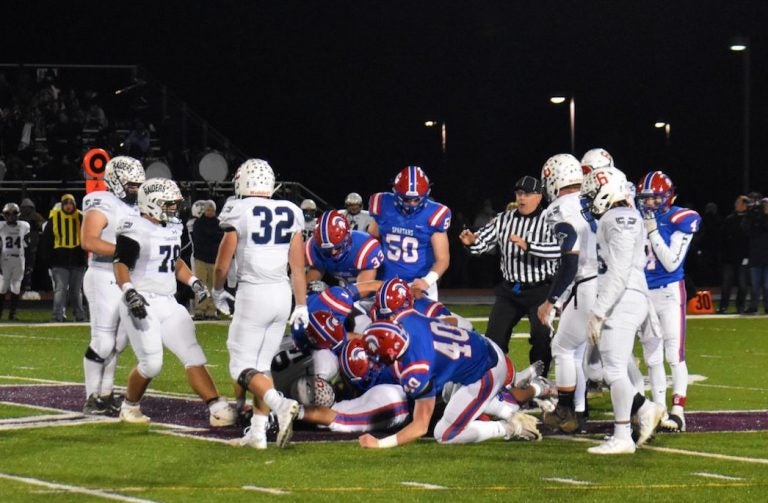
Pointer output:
418, 287
545, 313
368, 441
467, 237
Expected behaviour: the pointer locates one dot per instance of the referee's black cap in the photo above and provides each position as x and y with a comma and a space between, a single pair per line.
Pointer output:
529, 185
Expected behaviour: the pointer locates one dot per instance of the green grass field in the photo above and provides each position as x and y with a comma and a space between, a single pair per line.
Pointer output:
112, 461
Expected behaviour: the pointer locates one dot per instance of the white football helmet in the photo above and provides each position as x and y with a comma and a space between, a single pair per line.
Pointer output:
596, 158
198, 208
121, 171
353, 198
11, 212
159, 198
603, 188
254, 178
560, 171
313, 390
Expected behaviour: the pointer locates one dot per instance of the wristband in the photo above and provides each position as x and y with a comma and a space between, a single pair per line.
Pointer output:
387, 442
127, 286
431, 278
192, 279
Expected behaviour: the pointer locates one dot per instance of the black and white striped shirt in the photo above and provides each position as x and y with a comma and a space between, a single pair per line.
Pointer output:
536, 264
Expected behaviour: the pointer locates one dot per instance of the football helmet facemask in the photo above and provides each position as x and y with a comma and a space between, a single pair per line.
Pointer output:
160, 199
353, 203
411, 188
560, 171
11, 212
309, 208
123, 175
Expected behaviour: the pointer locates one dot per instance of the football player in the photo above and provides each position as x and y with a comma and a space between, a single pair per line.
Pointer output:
14, 236
412, 230
670, 230
359, 219
265, 235
573, 288
425, 358
621, 305
147, 266
349, 256
309, 209
102, 211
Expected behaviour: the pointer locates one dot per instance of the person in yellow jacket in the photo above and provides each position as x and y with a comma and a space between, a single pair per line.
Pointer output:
61, 251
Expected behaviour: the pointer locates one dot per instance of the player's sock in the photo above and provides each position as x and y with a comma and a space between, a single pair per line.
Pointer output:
93, 373
679, 378
622, 431
273, 399
108, 374
565, 399
658, 382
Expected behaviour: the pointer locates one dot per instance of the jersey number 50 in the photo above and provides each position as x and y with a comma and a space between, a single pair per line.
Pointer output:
272, 227
402, 248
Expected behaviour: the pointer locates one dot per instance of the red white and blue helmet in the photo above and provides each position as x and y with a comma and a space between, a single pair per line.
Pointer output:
393, 296
385, 340
354, 360
325, 331
411, 188
653, 186
332, 234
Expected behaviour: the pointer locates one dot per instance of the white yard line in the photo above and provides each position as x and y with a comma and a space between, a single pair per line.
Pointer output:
73, 489
723, 386
711, 455
568, 481
267, 490
422, 485
716, 476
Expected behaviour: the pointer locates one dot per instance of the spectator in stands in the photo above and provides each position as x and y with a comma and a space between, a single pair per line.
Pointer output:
206, 236
705, 248
95, 118
60, 249
136, 144
735, 257
36, 221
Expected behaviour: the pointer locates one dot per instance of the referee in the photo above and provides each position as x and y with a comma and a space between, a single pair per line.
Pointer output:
529, 257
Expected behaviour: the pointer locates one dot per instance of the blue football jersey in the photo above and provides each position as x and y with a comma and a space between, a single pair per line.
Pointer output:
438, 353
336, 299
677, 219
406, 239
364, 253
430, 308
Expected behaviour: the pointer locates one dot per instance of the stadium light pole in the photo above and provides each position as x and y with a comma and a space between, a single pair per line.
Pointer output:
559, 99
667, 127
443, 137
741, 44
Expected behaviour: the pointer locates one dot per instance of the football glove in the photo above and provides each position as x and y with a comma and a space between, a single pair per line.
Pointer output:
649, 221
201, 291
522, 427
316, 286
300, 315
594, 326
220, 300
137, 304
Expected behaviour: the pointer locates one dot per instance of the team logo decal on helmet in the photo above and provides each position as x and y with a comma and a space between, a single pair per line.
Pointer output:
560, 171
325, 331
354, 360
122, 174
160, 199
595, 158
332, 234
602, 188
385, 340
393, 296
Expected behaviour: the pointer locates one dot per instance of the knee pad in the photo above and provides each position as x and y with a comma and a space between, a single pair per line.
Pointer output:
612, 374
245, 377
90, 354
193, 357
103, 346
151, 367
440, 429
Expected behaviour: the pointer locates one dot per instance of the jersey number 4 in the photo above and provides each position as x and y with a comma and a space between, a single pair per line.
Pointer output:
272, 227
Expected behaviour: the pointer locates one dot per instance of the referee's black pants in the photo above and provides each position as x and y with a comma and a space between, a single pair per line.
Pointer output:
513, 301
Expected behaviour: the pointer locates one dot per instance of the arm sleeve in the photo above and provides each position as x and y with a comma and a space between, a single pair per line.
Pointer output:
126, 251
670, 255
548, 247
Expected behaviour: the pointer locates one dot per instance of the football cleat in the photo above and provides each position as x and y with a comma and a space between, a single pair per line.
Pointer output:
111, 404
648, 417
614, 446
286, 414
222, 415
132, 414
672, 423
94, 406
521, 426
251, 438
563, 419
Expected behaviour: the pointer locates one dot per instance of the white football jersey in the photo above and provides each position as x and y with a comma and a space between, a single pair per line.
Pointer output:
12, 237
621, 257
567, 209
359, 221
115, 210
159, 248
264, 229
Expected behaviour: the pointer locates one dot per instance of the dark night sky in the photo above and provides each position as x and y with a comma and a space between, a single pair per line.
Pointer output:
335, 93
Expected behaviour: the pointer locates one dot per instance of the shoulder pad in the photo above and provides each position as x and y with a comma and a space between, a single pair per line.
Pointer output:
685, 220
439, 216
